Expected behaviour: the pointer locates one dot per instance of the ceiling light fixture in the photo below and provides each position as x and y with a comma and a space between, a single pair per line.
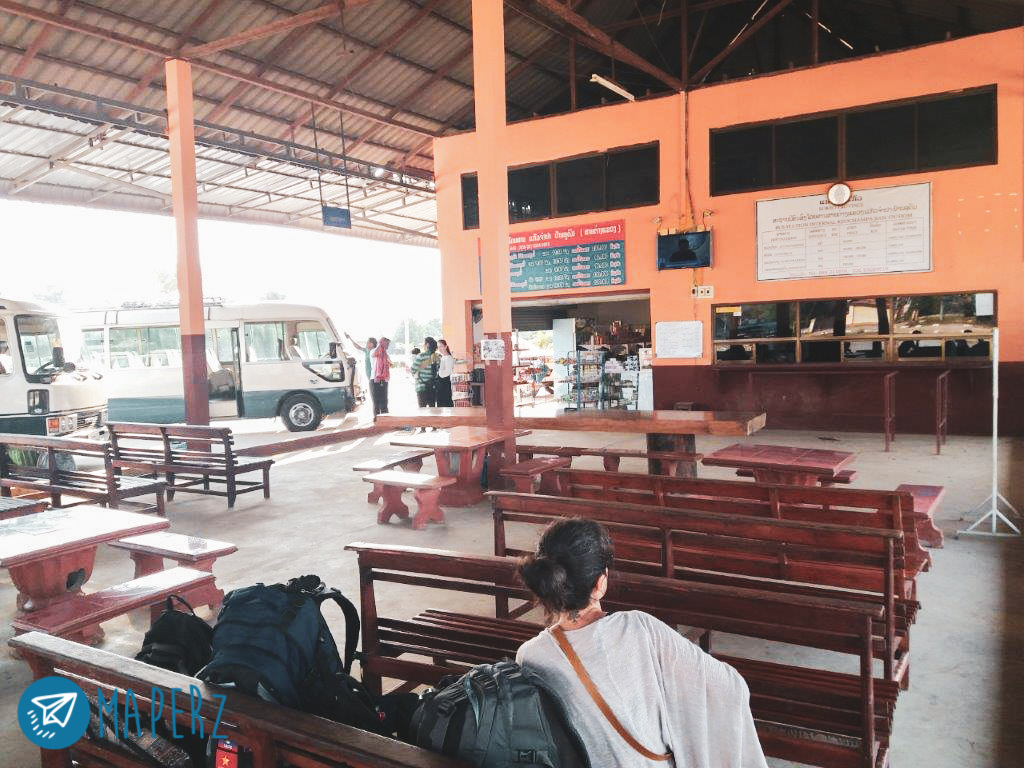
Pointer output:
612, 86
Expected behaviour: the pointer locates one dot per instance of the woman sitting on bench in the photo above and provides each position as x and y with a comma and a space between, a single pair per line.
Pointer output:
635, 689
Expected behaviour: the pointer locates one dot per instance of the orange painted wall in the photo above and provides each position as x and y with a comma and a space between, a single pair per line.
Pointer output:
977, 238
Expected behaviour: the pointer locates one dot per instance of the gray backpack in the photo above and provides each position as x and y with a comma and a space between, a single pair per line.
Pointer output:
498, 716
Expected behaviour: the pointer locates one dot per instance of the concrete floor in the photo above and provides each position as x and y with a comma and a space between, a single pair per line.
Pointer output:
964, 706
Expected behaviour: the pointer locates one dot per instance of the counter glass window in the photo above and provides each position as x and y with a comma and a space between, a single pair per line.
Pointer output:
856, 330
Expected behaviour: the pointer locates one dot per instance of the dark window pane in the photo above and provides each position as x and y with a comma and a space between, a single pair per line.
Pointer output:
807, 150
741, 159
470, 201
957, 131
775, 352
632, 177
880, 141
579, 185
529, 193
756, 321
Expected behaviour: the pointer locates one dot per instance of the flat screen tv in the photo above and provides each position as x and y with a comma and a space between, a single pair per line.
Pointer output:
684, 250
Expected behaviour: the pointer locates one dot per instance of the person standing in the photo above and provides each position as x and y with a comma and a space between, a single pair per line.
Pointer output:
424, 374
371, 344
380, 376
445, 368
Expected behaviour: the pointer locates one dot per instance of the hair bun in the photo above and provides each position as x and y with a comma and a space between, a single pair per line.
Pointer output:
547, 579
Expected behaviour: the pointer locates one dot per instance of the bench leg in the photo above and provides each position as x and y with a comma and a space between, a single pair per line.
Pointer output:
230, 480
393, 504
208, 594
266, 483
428, 500
170, 486
523, 484
161, 506
412, 465
374, 495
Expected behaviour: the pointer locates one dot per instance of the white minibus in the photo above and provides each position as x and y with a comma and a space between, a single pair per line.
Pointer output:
45, 386
262, 360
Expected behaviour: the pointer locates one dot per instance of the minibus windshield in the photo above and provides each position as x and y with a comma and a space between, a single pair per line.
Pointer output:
38, 336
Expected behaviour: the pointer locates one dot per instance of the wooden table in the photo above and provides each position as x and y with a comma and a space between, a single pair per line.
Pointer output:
674, 431
50, 554
781, 463
15, 506
460, 454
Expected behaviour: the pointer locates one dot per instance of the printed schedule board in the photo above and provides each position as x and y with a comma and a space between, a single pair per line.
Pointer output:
579, 256
878, 231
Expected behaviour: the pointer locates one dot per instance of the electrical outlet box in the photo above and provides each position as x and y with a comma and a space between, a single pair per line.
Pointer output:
703, 291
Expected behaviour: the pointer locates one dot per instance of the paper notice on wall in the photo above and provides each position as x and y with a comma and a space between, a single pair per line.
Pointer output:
984, 304
492, 349
679, 339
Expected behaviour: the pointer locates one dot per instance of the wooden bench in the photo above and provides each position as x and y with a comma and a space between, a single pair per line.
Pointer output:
426, 490
409, 461
842, 506
189, 457
60, 475
149, 550
525, 475
789, 557
814, 716
75, 616
926, 502
277, 736
16, 506
673, 461
843, 477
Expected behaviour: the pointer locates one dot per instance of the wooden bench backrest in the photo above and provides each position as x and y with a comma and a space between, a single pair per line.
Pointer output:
53, 475
806, 620
841, 506
179, 443
278, 736
668, 542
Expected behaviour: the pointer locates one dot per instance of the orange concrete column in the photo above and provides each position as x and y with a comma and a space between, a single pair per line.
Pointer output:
181, 132
492, 177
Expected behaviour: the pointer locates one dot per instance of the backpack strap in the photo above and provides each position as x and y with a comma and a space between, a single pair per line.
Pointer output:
595, 694
351, 623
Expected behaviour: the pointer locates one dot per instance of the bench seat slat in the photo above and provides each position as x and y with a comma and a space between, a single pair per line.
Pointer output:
90, 609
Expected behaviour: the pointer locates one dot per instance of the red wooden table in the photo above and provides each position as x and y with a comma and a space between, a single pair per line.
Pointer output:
781, 463
460, 454
50, 554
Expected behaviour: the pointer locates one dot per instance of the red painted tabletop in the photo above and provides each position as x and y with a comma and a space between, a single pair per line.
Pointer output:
781, 458
456, 438
54, 531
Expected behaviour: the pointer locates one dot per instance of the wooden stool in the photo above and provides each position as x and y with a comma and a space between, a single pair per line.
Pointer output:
426, 489
149, 550
410, 461
524, 474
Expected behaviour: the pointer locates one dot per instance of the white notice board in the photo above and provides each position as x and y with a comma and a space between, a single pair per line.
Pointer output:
878, 231
679, 339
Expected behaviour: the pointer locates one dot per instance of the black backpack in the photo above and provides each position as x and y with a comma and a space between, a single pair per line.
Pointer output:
178, 641
498, 715
273, 642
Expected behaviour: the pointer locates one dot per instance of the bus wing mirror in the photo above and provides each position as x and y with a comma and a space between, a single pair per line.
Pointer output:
58, 357
333, 350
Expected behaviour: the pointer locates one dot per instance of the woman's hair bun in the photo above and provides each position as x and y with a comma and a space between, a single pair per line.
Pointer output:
547, 579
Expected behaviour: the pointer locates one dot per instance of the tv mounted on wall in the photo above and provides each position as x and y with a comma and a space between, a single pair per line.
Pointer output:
684, 250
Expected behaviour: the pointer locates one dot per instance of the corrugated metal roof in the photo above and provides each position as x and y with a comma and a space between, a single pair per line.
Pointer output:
256, 157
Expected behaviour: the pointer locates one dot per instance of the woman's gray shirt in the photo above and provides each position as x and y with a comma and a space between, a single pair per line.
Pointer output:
666, 691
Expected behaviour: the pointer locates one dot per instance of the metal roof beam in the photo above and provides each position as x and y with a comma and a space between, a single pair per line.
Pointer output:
745, 34
594, 38
91, 30
250, 144
266, 30
38, 42
138, 189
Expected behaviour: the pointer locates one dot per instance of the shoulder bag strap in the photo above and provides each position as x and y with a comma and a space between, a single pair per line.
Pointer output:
577, 665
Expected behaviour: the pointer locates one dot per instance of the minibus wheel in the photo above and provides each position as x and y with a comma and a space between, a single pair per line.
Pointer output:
301, 413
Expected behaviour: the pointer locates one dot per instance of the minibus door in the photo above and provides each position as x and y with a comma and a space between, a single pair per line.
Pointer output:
223, 372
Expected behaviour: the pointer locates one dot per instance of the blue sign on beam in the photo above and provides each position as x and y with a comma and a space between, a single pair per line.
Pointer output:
337, 217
